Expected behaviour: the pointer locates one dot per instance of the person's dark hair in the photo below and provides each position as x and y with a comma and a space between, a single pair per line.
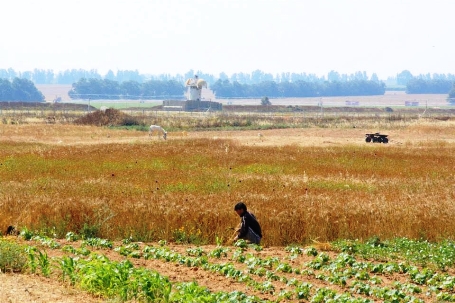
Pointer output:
240, 205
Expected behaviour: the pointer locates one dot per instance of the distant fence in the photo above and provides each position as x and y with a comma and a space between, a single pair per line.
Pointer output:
283, 115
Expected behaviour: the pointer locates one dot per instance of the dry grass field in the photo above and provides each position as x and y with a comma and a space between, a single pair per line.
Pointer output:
307, 186
303, 183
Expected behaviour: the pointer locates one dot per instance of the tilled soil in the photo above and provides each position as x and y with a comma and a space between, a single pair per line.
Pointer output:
34, 288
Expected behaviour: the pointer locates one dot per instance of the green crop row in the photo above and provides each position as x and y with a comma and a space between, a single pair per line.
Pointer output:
344, 270
103, 277
199, 258
440, 255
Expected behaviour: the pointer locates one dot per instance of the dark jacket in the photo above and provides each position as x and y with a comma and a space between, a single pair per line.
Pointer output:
249, 220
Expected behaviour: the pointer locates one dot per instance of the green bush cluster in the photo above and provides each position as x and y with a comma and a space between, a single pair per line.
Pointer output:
12, 257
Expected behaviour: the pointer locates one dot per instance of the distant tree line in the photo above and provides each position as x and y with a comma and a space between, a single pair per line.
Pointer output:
108, 89
227, 89
432, 86
405, 76
256, 77
19, 90
70, 76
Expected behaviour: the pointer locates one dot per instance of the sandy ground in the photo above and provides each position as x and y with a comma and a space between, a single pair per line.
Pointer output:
18, 288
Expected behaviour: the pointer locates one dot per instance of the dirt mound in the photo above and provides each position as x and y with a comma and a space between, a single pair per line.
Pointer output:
108, 117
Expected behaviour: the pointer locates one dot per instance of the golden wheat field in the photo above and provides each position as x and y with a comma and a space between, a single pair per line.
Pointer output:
303, 184
150, 209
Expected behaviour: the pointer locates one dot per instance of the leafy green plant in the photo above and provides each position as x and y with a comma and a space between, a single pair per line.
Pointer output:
219, 252
44, 263
294, 251
26, 234
127, 240
241, 244
68, 268
256, 247
311, 251
70, 236
303, 291
46, 241
83, 251
284, 267
239, 255
196, 252
131, 250
89, 231
321, 260
69, 249
267, 287
12, 257
97, 242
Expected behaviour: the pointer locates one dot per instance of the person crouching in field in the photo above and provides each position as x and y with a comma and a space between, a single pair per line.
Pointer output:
249, 228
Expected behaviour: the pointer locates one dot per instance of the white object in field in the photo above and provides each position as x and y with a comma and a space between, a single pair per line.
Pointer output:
195, 86
157, 129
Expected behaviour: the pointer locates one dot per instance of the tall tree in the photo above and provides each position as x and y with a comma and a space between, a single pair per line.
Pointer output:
333, 76
404, 77
19, 90
374, 78
110, 75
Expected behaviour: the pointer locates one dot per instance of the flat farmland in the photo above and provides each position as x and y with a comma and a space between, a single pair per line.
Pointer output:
390, 98
328, 183
52, 91
419, 132
342, 219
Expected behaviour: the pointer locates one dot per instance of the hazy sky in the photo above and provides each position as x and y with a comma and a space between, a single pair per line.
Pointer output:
172, 36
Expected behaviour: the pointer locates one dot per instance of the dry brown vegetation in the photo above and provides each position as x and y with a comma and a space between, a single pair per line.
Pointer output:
108, 117
123, 184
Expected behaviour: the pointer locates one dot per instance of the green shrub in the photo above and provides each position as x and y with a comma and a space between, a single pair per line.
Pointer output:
12, 257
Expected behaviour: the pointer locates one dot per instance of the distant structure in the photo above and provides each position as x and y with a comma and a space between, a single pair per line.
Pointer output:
411, 103
194, 100
195, 86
